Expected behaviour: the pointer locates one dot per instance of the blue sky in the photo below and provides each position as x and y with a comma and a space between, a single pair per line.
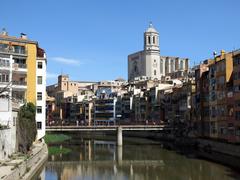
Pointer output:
91, 39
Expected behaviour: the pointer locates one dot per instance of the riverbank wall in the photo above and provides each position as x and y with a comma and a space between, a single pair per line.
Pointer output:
220, 147
220, 152
25, 169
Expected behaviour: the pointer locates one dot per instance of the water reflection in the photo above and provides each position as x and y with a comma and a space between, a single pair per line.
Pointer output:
98, 159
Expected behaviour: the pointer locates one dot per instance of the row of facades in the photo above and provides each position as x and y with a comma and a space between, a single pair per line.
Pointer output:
216, 110
204, 102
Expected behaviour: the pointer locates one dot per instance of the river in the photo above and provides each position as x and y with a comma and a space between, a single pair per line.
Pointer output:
98, 158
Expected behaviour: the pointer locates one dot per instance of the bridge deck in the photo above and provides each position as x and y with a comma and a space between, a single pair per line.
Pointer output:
108, 128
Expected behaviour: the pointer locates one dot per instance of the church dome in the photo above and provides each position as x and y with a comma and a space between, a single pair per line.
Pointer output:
151, 28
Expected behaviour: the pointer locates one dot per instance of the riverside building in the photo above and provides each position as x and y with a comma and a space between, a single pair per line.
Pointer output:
23, 76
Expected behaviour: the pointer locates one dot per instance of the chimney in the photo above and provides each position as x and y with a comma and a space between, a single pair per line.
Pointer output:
4, 32
222, 52
23, 36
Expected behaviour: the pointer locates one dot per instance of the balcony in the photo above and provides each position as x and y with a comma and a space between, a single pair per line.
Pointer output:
4, 84
4, 64
20, 68
19, 85
13, 51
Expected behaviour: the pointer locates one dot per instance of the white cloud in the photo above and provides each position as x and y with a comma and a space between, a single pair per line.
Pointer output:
51, 75
67, 61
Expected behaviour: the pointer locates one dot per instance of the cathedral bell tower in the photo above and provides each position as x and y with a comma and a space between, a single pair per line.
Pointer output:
151, 39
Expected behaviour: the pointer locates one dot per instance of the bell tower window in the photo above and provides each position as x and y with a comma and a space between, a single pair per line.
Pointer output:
149, 40
181, 65
153, 39
172, 66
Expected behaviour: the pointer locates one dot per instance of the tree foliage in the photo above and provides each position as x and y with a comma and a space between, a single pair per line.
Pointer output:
27, 129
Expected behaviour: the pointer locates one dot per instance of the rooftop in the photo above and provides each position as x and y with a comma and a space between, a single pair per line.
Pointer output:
22, 39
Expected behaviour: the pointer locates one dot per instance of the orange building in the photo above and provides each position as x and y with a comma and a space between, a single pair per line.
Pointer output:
235, 124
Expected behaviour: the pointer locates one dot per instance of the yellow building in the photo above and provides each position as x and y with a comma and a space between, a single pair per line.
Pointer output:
23, 69
220, 76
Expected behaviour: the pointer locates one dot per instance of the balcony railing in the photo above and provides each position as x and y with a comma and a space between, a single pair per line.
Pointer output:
13, 51
19, 83
4, 64
4, 82
15, 65
19, 65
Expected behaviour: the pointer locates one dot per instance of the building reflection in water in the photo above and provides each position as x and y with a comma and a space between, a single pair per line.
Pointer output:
94, 159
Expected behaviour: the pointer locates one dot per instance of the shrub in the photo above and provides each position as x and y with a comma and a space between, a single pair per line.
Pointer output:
27, 129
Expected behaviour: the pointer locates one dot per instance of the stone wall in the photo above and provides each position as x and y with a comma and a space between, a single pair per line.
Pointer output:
27, 168
7, 142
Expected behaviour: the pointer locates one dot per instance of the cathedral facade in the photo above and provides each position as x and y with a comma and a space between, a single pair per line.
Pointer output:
149, 63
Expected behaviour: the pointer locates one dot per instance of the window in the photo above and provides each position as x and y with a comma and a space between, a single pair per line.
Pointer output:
14, 121
4, 77
39, 125
149, 40
237, 103
237, 88
39, 79
19, 49
161, 66
40, 65
39, 96
213, 128
181, 65
221, 80
4, 63
155, 72
237, 115
172, 65
153, 39
223, 130
39, 109
238, 131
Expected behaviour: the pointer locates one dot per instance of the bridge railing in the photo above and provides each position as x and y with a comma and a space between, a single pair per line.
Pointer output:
110, 126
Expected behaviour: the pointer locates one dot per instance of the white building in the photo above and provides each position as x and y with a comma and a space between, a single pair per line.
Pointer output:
41, 96
9, 105
149, 63
8, 135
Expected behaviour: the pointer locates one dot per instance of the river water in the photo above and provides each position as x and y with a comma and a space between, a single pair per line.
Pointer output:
98, 158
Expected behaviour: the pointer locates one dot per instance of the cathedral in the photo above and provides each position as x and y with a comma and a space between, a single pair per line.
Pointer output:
148, 62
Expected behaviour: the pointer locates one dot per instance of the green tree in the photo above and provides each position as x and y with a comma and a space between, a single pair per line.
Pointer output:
27, 129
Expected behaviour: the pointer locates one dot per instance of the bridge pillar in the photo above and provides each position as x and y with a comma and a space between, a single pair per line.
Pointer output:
119, 136
119, 155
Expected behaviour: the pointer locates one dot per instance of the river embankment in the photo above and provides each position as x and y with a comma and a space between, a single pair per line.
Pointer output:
24, 166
